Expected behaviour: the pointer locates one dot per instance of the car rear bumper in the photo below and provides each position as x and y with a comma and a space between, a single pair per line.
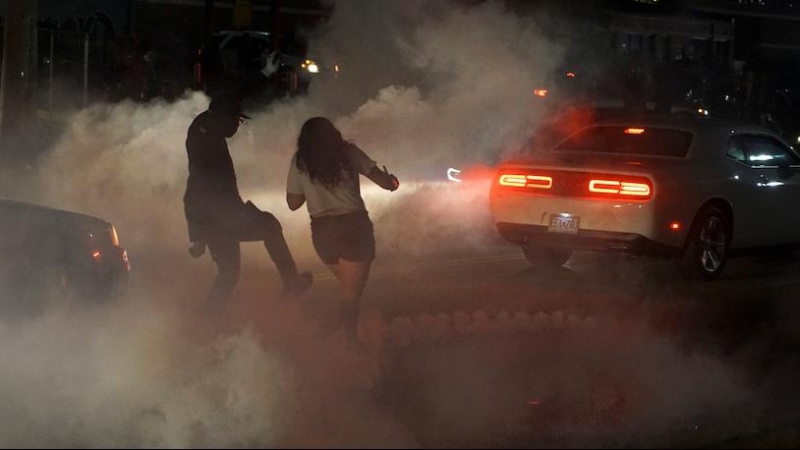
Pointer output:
521, 234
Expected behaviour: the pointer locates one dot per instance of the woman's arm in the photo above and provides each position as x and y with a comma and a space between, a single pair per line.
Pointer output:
295, 201
383, 179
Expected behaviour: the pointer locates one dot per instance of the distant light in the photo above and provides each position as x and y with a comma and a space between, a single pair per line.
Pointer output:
313, 68
540, 92
702, 112
636, 131
97, 255
571, 75
336, 67
453, 175
675, 226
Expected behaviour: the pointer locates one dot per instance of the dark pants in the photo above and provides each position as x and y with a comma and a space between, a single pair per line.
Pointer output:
250, 226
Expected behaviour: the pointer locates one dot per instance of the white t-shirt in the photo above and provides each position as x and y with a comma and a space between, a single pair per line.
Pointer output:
344, 198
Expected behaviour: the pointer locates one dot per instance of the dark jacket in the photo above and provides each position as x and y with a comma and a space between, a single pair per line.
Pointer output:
212, 193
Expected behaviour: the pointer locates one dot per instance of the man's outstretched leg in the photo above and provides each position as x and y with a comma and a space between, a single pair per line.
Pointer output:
294, 283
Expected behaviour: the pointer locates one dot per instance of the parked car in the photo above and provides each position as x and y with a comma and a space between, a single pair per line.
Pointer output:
696, 188
47, 252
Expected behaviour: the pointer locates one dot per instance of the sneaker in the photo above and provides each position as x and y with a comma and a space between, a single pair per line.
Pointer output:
299, 285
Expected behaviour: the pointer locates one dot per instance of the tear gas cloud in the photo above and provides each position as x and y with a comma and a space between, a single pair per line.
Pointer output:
427, 84
464, 99
121, 376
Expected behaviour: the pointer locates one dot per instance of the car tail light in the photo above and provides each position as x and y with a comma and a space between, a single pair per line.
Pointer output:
526, 181
114, 236
568, 183
623, 188
125, 261
635, 131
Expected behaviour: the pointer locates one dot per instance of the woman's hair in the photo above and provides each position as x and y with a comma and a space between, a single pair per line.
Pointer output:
320, 152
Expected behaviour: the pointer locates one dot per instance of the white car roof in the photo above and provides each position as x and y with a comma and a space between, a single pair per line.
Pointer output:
686, 123
710, 135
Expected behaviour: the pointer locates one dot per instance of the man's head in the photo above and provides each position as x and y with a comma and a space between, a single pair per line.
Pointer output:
227, 110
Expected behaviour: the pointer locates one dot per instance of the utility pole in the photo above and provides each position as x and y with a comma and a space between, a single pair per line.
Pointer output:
18, 84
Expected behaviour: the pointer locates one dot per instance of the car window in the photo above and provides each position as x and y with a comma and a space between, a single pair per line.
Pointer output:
768, 151
630, 141
736, 149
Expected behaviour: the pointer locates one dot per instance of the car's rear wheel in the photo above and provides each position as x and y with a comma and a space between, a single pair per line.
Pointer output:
539, 255
706, 252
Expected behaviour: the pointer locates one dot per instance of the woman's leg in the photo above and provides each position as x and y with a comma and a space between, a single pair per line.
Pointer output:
353, 276
334, 268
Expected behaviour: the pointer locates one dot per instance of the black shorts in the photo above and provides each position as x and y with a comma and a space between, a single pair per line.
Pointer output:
349, 237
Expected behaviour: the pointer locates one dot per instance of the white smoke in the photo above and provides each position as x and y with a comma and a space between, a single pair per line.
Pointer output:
124, 376
425, 84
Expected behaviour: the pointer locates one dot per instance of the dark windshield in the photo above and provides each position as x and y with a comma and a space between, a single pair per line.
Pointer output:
630, 141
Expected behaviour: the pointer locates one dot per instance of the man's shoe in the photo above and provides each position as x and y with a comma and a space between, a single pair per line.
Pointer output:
197, 249
299, 285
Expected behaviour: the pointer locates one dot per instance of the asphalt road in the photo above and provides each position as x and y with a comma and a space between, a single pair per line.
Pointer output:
476, 347
610, 350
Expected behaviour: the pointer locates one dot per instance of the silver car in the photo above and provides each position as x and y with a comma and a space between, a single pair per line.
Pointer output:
695, 188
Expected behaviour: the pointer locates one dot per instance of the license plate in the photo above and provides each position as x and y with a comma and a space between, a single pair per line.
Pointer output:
561, 224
